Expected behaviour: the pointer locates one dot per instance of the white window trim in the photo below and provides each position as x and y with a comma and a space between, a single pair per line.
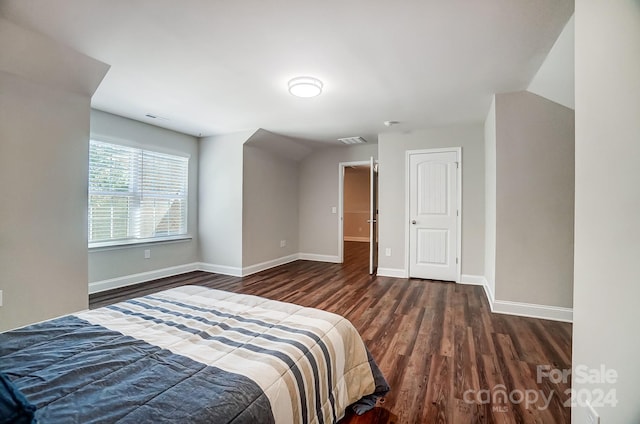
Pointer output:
119, 244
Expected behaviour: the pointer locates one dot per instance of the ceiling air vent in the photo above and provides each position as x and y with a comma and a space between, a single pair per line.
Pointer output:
152, 116
352, 140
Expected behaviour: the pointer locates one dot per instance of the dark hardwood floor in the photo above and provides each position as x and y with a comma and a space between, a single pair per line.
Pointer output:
447, 358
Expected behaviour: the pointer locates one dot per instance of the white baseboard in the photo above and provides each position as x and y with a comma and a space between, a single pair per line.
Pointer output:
362, 239
479, 280
554, 313
318, 258
392, 272
252, 269
128, 280
473, 280
220, 269
488, 290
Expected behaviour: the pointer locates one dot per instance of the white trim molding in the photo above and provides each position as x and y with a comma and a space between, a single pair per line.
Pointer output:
554, 313
319, 258
392, 272
233, 271
252, 269
473, 280
479, 280
129, 280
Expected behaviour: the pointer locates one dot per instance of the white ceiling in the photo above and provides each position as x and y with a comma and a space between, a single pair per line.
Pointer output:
213, 66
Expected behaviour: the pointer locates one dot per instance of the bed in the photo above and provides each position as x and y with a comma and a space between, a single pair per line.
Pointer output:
191, 355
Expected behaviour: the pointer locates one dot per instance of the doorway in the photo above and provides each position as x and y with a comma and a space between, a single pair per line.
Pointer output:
357, 232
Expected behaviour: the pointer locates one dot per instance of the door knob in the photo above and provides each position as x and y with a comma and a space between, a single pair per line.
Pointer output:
413, 222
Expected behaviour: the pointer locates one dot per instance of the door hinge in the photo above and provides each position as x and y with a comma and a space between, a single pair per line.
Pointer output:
457, 164
458, 212
456, 260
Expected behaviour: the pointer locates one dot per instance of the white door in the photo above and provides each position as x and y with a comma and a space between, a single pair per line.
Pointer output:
433, 215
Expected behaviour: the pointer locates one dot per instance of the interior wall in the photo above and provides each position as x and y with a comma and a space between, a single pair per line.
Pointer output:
220, 199
270, 206
113, 262
392, 150
534, 200
356, 203
318, 193
490, 198
607, 228
44, 133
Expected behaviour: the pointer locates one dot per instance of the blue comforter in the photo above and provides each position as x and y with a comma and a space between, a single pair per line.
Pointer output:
192, 355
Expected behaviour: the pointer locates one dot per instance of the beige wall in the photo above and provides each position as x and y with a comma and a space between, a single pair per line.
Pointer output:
318, 193
113, 262
534, 200
356, 203
220, 199
392, 148
269, 207
607, 224
44, 145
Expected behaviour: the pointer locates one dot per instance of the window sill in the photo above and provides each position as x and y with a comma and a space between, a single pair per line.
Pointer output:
124, 244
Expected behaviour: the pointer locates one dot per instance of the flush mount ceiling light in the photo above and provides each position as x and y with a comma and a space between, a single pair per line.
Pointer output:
305, 87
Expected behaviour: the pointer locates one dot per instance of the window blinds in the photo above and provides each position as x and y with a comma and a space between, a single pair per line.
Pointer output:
135, 195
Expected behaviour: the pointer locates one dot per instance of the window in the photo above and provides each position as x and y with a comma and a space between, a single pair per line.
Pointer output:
135, 195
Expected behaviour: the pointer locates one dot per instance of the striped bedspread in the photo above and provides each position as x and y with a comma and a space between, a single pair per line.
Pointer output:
193, 354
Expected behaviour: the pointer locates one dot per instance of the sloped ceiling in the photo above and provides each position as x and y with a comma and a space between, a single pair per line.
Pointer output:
555, 79
279, 145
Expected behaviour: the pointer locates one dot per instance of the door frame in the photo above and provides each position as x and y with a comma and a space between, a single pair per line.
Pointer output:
341, 167
407, 227
373, 216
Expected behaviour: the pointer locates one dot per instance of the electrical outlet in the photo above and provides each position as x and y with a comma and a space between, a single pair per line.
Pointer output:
592, 415
283, 243
387, 251
147, 253
334, 209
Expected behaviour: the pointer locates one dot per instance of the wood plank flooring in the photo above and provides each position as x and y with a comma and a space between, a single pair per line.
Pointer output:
447, 358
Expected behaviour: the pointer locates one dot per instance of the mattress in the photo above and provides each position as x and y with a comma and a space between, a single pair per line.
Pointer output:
193, 355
